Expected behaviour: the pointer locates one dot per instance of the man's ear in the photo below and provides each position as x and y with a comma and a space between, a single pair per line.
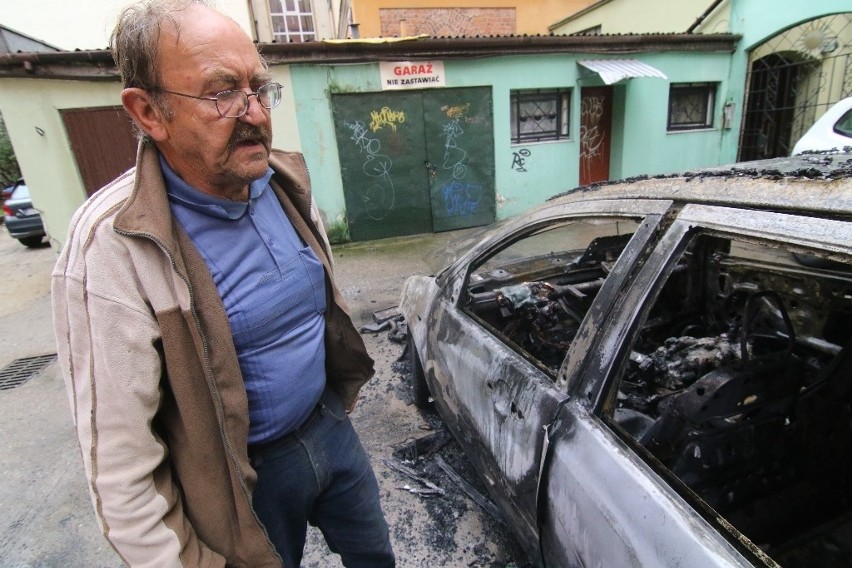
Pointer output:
150, 118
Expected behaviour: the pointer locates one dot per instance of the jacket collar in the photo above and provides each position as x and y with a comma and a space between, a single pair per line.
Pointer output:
147, 213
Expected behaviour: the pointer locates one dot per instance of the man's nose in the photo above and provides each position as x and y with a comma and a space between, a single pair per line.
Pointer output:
255, 112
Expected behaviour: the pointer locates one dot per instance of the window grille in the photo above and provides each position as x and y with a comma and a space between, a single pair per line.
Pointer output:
691, 106
539, 115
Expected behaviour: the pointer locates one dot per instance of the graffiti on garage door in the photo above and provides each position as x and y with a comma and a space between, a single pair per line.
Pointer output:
415, 162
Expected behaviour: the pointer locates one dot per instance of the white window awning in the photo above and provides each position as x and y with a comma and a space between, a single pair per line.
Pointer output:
614, 70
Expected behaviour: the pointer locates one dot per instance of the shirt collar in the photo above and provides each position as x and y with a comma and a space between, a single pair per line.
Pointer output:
181, 192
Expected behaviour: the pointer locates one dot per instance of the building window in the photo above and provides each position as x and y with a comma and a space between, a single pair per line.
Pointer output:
292, 20
539, 115
691, 106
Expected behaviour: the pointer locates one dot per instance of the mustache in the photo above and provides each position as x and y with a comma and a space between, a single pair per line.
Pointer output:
244, 131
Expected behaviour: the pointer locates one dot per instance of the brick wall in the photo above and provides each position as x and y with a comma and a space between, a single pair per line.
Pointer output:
447, 21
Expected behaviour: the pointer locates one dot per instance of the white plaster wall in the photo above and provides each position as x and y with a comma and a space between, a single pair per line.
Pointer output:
30, 109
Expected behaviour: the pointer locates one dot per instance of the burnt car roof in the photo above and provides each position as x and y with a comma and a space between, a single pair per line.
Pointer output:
820, 183
657, 371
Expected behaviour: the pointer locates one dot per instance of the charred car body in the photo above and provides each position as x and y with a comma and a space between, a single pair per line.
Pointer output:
658, 372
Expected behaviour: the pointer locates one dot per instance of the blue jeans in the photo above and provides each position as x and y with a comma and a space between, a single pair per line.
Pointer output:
322, 475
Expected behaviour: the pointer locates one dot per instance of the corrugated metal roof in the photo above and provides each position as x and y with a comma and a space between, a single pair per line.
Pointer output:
98, 65
614, 70
12, 41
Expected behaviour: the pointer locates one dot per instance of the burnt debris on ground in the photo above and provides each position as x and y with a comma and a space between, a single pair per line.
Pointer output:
390, 320
434, 467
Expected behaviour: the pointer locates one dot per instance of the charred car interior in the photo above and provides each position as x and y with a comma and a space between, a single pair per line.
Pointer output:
534, 293
739, 380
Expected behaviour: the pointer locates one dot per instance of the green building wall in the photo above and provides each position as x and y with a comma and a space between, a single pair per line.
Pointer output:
758, 21
641, 144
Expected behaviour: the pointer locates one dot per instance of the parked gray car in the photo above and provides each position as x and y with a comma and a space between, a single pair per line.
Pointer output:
22, 220
657, 372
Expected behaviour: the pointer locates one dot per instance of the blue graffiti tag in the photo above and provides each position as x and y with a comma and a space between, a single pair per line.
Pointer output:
461, 198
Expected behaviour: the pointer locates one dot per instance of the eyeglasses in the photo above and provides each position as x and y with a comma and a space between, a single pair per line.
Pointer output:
234, 104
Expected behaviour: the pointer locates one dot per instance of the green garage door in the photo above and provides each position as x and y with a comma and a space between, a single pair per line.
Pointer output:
415, 162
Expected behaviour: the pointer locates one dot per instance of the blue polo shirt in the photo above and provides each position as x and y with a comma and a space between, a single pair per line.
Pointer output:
273, 289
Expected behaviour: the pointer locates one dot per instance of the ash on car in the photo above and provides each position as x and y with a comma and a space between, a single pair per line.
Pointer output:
658, 372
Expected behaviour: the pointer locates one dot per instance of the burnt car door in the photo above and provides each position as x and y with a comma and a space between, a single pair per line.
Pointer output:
501, 326
709, 420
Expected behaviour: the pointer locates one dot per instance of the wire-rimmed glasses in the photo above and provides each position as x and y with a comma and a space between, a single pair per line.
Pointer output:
235, 103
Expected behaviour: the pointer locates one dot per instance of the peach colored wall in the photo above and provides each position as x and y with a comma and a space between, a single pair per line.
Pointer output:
447, 21
531, 16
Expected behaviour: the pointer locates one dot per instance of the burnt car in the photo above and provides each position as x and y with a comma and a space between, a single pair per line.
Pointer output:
657, 372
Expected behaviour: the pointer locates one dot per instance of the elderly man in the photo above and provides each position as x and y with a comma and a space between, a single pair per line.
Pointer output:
208, 359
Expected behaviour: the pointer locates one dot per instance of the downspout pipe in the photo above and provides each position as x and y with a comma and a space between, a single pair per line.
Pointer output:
343, 19
704, 16
253, 18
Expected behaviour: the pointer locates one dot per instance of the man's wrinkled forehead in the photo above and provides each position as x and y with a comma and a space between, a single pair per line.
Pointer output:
184, 27
170, 29
207, 37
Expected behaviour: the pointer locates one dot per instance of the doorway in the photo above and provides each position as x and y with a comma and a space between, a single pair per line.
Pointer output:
595, 134
103, 143
771, 107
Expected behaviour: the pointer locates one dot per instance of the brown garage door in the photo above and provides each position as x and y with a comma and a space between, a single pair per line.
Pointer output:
103, 143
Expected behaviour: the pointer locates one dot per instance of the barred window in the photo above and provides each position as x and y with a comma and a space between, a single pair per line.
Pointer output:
691, 106
292, 20
539, 115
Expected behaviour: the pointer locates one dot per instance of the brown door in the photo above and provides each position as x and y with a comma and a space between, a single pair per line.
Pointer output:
103, 143
595, 133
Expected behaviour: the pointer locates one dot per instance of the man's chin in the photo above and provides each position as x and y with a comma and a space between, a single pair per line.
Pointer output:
253, 164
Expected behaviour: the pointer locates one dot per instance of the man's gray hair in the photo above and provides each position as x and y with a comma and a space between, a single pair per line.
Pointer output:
134, 42
136, 35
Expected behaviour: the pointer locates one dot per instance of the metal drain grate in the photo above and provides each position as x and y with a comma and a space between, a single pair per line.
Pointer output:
21, 370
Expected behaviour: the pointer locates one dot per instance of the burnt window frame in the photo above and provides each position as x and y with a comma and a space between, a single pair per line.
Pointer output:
561, 96
709, 96
671, 247
642, 222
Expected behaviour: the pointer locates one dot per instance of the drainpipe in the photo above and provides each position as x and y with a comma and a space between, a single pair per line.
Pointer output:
253, 19
704, 16
344, 18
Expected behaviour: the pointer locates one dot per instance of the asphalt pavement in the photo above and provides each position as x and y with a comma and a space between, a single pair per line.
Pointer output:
46, 516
